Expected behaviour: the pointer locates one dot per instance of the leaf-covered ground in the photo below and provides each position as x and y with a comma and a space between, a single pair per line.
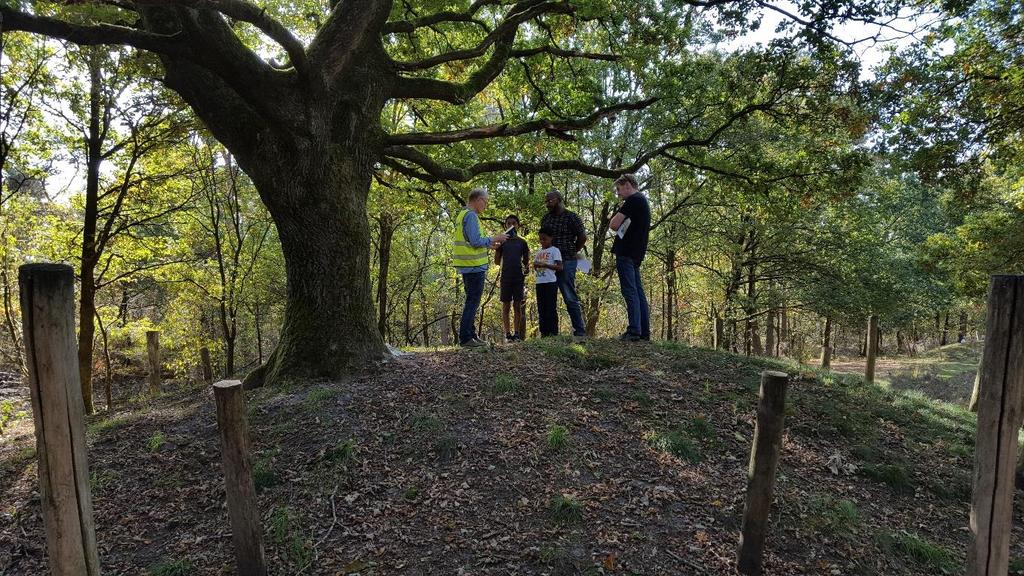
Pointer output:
540, 458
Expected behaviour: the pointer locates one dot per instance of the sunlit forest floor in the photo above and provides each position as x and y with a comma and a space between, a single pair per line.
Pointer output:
945, 373
545, 457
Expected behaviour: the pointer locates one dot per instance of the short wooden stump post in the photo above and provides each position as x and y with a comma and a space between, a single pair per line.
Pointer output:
47, 294
246, 530
1000, 414
764, 461
153, 352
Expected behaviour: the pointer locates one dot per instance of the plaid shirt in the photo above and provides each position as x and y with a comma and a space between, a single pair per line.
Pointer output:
565, 228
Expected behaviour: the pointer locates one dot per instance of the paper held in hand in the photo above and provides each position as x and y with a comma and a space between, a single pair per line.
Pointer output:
583, 266
621, 232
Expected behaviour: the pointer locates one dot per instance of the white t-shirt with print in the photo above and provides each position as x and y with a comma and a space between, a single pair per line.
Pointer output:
547, 256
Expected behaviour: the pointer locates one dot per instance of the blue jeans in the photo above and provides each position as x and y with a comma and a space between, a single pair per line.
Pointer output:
637, 310
473, 282
566, 279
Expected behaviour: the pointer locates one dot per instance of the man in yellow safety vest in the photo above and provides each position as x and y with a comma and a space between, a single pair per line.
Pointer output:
469, 255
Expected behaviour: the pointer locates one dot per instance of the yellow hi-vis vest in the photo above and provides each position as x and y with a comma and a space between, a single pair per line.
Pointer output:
465, 255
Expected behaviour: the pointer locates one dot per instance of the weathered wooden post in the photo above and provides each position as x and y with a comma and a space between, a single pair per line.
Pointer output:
204, 355
1000, 414
153, 352
246, 532
764, 461
719, 333
48, 322
871, 348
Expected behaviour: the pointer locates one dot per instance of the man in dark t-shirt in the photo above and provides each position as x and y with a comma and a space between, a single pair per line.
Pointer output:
568, 235
514, 258
632, 226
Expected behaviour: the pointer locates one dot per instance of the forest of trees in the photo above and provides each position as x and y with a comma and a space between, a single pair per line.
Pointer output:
280, 184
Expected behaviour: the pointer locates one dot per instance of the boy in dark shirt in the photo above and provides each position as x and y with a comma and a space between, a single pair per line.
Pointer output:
514, 258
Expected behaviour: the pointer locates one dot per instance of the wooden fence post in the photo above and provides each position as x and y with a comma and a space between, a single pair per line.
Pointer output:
204, 354
153, 352
48, 320
246, 531
764, 461
1000, 414
871, 348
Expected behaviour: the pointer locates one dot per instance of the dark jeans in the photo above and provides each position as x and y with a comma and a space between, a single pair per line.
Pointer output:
566, 280
637, 310
547, 308
474, 285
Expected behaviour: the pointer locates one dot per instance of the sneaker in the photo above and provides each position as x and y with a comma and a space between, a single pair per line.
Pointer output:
510, 337
627, 337
481, 342
579, 339
474, 343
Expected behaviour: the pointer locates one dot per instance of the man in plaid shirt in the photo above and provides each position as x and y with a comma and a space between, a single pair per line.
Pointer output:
569, 237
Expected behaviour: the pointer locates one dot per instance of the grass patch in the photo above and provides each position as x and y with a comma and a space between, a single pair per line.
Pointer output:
108, 424
295, 550
643, 399
170, 567
920, 551
558, 437
427, 423
319, 396
263, 474
9, 414
678, 443
604, 394
566, 510
833, 516
411, 493
343, 454
505, 384
156, 441
893, 475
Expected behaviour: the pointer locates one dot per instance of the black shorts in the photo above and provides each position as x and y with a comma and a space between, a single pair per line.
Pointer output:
513, 290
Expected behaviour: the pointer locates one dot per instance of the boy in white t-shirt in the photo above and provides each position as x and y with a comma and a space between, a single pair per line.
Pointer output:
546, 262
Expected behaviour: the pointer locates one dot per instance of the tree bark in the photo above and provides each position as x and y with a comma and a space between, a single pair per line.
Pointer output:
87, 293
769, 340
670, 304
826, 344
386, 229
961, 335
945, 330
330, 328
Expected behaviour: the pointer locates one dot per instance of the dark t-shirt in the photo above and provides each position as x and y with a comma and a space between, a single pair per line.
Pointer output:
512, 253
565, 228
633, 243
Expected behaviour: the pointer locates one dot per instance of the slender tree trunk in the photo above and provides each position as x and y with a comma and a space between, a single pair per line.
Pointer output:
87, 293
258, 322
769, 340
961, 335
386, 230
670, 279
592, 310
945, 330
901, 343
826, 344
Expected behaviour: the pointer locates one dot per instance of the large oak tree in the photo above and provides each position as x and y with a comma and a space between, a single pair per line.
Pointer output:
306, 123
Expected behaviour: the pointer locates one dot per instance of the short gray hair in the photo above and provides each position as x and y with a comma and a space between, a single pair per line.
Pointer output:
477, 193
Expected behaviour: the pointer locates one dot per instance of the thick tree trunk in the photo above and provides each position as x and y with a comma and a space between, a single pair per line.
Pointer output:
592, 305
961, 335
330, 328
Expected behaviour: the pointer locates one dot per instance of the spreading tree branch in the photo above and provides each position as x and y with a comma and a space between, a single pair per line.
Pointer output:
505, 130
